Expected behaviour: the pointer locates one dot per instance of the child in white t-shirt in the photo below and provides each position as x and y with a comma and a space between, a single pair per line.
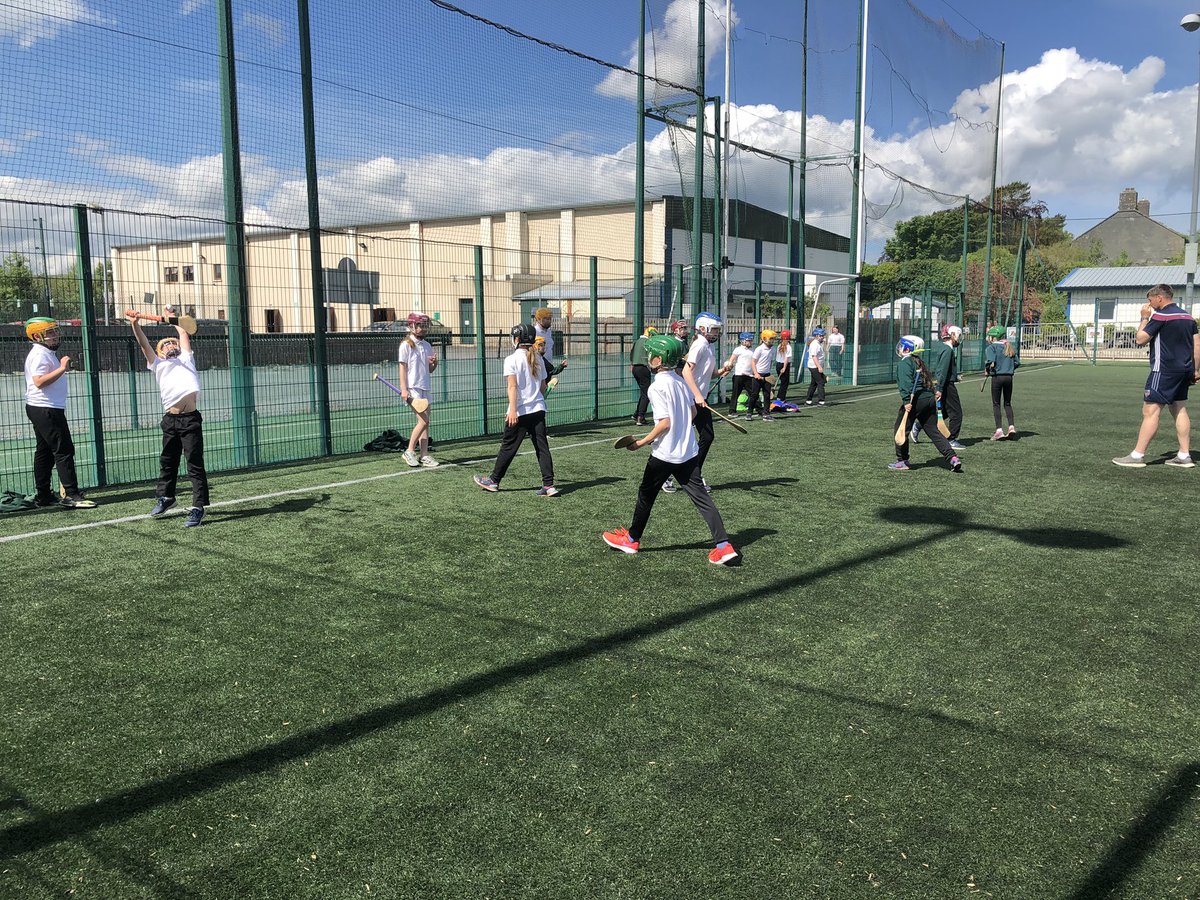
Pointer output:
815, 356
674, 454
174, 368
525, 376
741, 363
760, 388
417, 362
783, 365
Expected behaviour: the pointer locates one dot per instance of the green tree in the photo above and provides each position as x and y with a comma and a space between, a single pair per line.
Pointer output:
18, 287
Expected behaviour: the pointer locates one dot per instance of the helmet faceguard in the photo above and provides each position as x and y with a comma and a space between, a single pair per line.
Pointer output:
42, 330
168, 348
709, 326
908, 345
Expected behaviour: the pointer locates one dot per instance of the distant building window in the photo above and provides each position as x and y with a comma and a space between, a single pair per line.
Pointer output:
171, 273
1107, 310
216, 271
189, 274
274, 321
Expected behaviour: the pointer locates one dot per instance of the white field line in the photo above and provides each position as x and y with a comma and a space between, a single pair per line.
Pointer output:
339, 484
289, 492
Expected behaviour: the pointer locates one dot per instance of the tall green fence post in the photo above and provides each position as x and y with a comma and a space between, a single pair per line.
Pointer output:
135, 354
91, 352
1095, 328
594, 336
318, 362
241, 373
481, 347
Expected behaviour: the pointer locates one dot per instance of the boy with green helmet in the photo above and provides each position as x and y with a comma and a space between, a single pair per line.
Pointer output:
674, 453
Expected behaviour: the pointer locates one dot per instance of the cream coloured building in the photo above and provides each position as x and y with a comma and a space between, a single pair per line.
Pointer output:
381, 272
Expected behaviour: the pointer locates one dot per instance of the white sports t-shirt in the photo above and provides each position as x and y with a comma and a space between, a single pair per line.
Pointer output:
783, 355
703, 361
417, 360
42, 361
743, 360
549, 336
176, 378
529, 384
672, 399
837, 340
764, 357
816, 354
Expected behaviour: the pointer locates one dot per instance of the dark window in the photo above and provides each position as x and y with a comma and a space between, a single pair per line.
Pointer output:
216, 271
189, 274
171, 273
274, 321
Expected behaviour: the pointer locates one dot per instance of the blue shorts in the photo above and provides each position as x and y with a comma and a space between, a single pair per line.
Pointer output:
1168, 387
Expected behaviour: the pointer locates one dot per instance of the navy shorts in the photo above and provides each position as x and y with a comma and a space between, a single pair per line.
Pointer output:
1168, 387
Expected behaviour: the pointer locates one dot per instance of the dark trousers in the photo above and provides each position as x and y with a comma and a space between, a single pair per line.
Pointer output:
54, 450
687, 476
704, 434
760, 397
641, 374
741, 384
534, 425
816, 386
183, 436
924, 416
952, 410
785, 378
1002, 396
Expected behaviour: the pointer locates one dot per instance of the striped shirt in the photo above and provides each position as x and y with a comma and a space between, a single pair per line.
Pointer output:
1171, 330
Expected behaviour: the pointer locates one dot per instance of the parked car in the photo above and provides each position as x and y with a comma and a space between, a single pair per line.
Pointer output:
436, 333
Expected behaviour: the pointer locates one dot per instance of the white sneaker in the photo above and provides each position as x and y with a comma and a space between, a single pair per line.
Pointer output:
1181, 462
411, 458
429, 462
669, 486
999, 435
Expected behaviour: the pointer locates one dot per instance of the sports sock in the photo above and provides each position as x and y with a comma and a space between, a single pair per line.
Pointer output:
1137, 455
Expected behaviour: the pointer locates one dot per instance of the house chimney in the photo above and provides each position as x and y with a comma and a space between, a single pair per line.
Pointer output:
1128, 200
1143, 207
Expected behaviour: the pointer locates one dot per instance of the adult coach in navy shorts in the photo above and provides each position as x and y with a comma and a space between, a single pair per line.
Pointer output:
1174, 360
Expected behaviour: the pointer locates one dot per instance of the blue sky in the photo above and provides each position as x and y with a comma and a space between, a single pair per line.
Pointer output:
423, 112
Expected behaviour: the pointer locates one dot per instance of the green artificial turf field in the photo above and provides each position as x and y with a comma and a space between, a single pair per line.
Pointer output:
360, 680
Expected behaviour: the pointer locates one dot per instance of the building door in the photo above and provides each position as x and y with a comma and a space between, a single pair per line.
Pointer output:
466, 319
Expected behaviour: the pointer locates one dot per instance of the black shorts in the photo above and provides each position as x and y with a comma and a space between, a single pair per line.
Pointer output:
1168, 387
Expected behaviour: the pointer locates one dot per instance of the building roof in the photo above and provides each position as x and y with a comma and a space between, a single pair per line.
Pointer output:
580, 289
1101, 277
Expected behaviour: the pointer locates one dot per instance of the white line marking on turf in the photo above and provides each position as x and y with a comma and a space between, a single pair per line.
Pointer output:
290, 491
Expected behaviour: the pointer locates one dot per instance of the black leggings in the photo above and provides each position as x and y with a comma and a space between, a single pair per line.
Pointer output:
785, 378
182, 436
1002, 395
760, 396
704, 433
952, 407
741, 384
687, 476
924, 416
54, 449
533, 424
641, 374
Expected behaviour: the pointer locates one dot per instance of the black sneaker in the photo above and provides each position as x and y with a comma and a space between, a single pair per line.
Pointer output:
161, 506
77, 501
45, 502
194, 517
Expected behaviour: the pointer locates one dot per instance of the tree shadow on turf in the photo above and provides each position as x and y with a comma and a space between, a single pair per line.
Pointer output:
1062, 538
752, 485
572, 486
1138, 842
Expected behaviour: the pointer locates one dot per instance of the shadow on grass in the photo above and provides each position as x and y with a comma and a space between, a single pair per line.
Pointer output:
1138, 842
1063, 538
572, 486
751, 485
297, 505
74, 822
741, 541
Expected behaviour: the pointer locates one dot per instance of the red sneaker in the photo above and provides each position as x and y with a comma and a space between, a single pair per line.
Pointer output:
619, 539
721, 556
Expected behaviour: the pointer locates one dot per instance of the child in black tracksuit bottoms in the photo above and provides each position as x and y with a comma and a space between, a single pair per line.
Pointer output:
1002, 363
918, 398
674, 454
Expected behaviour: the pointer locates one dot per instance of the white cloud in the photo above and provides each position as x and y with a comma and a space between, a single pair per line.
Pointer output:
269, 27
42, 20
670, 53
187, 7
